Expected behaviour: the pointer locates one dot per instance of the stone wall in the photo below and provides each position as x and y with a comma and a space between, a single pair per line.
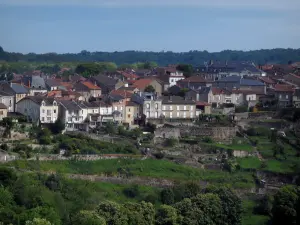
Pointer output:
261, 115
217, 133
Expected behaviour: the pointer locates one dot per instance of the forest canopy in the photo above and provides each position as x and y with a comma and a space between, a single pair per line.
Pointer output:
281, 56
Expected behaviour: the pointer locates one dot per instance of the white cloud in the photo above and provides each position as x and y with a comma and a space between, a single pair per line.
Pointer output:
257, 4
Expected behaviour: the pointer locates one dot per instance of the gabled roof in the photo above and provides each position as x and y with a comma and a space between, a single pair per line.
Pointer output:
129, 75
70, 105
39, 99
52, 83
142, 83
123, 93
250, 82
35, 82
105, 80
2, 106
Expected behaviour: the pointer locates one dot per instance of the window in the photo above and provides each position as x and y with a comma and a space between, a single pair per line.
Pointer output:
148, 106
184, 107
54, 103
128, 116
116, 108
128, 109
48, 118
156, 106
1, 112
171, 115
164, 107
156, 114
69, 119
48, 112
54, 111
178, 114
184, 115
280, 96
43, 111
287, 97
192, 107
148, 114
171, 107
192, 115
178, 107
121, 107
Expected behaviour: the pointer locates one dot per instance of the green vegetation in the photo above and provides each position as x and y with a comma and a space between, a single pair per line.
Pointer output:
144, 168
249, 163
249, 217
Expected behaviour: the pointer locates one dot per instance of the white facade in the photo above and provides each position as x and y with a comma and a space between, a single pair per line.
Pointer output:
152, 108
174, 77
9, 102
48, 113
33, 92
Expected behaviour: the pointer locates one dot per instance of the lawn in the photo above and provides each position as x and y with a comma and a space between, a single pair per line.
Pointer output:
249, 218
249, 163
145, 168
241, 147
277, 166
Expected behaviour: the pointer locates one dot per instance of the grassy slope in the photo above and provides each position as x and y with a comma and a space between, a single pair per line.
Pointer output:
145, 168
249, 218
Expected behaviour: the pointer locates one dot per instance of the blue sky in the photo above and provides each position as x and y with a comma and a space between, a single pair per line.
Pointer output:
157, 25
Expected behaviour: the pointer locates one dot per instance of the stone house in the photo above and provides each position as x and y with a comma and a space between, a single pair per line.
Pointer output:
178, 107
170, 74
3, 111
194, 82
106, 84
132, 113
8, 99
39, 108
87, 90
223, 96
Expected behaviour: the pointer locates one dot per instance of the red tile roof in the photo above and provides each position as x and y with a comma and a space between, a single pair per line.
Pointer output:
283, 88
142, 83
90, 85
55, 93
129, 75
123, 93
217, 91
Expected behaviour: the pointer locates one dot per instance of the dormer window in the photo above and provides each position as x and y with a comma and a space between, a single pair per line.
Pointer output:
43, 103
54, 103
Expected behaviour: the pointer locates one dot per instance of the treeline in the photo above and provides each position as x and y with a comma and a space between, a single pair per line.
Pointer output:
283, 56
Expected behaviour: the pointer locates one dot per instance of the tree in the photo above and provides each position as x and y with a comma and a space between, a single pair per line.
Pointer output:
38, 221
150, 89
166, 215
187, 69
85, 217
231, 204
112, 212
57, 127
167, 196
7, 177
140, 213
285, 206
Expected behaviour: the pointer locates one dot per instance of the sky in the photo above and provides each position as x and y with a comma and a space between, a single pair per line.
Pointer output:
63, 26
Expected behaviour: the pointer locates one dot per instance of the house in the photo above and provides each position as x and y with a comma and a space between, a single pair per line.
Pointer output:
142, 84
8, 99
98, 112
202, 94
74, 79
132, 113
73, 115
87, 90
106, 83
178, 107
220, 69
284, 94
220, 96
52, 84
127, 76
293, 79
170, 74
36, 84
237, 82
39, 108
3, 111
194, 82
296, 98
18, 92
202, 108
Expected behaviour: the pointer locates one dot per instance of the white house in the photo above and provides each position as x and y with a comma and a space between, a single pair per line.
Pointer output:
8, 100
38, 108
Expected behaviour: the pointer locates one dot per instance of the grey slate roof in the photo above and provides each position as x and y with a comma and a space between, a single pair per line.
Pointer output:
177, 100
70, 105
52, 83
39, 99
250, 82
19, 89
34, 82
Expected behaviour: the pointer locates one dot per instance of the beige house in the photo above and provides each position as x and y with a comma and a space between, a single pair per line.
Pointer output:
3, 111
131, 112
176, 107
203, 108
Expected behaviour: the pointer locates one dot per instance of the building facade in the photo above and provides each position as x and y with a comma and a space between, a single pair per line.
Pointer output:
178, 107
